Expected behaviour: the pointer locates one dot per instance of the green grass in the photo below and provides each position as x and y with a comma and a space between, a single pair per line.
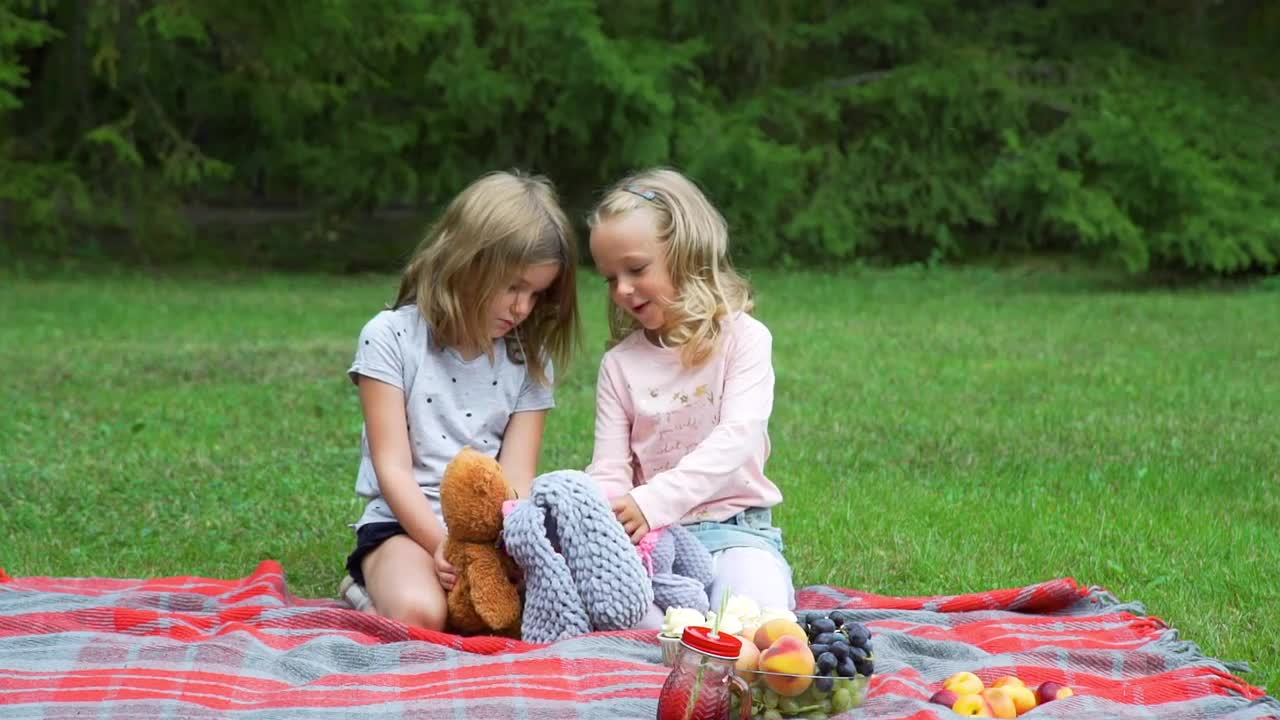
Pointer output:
934, 432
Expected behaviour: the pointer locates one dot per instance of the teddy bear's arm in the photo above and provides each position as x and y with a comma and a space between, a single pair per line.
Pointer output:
494, 595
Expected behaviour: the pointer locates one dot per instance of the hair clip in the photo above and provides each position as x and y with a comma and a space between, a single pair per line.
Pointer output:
645, 193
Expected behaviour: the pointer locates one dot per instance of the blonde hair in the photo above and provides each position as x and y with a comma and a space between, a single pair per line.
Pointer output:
494, 229
695, 238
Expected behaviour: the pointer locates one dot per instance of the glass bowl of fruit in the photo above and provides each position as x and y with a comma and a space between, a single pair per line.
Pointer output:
816, 667
823, 696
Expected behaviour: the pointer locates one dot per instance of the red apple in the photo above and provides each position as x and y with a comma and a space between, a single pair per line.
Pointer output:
1049, 691
944, 697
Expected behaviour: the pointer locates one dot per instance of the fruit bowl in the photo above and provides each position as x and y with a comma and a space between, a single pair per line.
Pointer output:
781, 695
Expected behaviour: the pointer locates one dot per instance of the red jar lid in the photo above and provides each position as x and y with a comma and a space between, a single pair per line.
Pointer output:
702, 639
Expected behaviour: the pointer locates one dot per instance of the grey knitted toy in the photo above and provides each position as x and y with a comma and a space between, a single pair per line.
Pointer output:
681, 568
581, 572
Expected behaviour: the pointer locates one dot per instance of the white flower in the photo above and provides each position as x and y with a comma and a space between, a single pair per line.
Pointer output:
676, 619
742, 607
730, 624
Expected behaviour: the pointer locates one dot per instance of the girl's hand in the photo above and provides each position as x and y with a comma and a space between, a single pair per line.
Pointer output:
445, 572
633, 521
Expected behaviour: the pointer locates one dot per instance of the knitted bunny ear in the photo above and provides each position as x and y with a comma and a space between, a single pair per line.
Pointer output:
671, 590
663, 553
671, 587
552, 609
691, 557
611, 581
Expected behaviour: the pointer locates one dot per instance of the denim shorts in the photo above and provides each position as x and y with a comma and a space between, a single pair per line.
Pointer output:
751, 528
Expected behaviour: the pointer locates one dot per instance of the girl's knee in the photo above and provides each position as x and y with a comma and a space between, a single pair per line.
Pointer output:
418, 612
757, 574
402, 585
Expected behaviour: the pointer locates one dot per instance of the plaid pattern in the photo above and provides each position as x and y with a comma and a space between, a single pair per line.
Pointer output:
190, 647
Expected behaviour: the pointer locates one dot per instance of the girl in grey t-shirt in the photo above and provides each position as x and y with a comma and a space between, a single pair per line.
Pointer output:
487, 308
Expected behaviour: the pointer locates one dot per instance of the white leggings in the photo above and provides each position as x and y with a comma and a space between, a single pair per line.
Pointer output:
757, 574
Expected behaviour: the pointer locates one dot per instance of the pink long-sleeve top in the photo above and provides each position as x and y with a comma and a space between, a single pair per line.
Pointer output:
689, 444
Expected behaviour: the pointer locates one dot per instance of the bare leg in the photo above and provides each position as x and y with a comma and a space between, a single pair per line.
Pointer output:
401, 578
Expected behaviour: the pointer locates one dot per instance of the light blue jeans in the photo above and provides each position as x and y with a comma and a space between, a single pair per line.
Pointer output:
747, 551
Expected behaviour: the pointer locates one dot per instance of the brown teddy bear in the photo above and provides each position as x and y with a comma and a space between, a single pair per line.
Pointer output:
486, 598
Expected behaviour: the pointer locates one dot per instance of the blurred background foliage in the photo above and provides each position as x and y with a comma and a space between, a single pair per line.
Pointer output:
322, 134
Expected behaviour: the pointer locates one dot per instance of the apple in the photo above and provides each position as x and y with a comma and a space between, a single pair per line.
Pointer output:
964, 683
944, 697
1023, 697
1050, 691
1000, 702
1008, 680
971, 705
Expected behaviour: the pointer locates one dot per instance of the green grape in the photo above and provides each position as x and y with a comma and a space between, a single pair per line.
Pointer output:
757, 694
770, 699
826, 705
816, 716
772, 714
789, 706
841, 700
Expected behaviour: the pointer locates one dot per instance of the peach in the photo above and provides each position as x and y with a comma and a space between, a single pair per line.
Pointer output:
964, 683
1023, 697
789, 655
1008, 680
944, 697
769, 632
1000, 702
1050, 691
971, 705
748, 660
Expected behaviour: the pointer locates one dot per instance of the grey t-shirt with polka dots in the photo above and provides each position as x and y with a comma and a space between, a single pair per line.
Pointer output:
449, 402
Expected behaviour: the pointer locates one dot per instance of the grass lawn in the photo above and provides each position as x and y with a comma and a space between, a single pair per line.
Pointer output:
934, 432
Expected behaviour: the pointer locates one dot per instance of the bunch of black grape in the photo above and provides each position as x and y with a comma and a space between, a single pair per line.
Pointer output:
839, 644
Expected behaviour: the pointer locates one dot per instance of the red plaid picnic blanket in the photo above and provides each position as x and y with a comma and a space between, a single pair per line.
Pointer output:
192, 647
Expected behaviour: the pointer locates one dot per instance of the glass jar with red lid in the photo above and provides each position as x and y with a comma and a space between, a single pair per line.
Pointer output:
702, 681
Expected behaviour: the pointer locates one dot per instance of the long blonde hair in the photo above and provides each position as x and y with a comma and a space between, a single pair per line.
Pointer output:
695, 238
494, 229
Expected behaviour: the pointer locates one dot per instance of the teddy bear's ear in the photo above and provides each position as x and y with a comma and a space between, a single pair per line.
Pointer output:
462, 472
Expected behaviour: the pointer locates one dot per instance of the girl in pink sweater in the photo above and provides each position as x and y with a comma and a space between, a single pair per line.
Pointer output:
684, 395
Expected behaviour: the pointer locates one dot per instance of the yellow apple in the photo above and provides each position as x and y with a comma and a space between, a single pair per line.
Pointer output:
971, 705
964, 683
